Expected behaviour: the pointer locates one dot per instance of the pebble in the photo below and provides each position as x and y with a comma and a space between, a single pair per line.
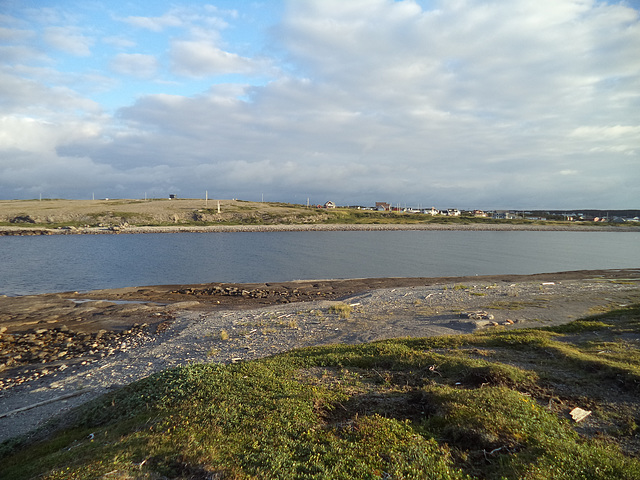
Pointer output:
47, 346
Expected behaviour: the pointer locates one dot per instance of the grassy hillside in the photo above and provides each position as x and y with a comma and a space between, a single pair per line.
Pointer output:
77, 213
493, 405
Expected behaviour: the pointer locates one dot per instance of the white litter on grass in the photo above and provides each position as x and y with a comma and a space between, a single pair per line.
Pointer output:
579, 414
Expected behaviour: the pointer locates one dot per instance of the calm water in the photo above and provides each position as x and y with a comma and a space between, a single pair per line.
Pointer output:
85, 262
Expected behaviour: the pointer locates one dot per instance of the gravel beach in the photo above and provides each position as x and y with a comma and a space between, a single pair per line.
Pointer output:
206, 324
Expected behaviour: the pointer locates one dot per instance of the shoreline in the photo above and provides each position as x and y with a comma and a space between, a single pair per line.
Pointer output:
22, 231
117, 309
187, 327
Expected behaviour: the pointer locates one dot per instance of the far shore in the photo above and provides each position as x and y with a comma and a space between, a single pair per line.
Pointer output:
96, 217
19, 230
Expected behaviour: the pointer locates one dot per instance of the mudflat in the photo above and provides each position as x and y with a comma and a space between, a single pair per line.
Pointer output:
60, 350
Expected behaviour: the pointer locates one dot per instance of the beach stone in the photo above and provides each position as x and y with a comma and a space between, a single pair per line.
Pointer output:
479, 315
22, 219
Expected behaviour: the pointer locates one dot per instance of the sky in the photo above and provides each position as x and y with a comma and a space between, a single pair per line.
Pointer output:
488, 104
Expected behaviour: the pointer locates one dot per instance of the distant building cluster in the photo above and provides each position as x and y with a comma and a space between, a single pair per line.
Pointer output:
496, 214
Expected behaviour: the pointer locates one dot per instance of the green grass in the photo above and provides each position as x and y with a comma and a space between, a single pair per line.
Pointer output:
492, 405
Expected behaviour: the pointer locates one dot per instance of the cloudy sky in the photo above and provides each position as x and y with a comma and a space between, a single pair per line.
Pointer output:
451, 103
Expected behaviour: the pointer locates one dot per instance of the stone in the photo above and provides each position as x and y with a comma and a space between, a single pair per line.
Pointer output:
22, 219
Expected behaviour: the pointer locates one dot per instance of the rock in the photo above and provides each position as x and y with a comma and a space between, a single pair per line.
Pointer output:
479, 315
22, 219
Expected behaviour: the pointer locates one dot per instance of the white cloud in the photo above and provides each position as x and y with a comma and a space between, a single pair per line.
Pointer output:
601, 132
15, 35
135, 65
24, 96
40, 136
621, 139
155, 24
17, 54
184, 17
69, 40
201, 58
118, 41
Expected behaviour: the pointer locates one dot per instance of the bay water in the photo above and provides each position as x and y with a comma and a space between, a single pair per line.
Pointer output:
56, 263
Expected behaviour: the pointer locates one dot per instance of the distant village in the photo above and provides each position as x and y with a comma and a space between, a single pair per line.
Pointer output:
616, 216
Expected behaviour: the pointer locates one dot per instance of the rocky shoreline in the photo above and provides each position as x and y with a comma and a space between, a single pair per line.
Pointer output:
41, 352
127, 229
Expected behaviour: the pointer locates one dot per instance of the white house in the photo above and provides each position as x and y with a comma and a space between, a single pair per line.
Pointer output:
431, 211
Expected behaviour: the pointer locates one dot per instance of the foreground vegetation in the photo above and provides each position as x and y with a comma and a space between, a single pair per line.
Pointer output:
492, 405
33, 214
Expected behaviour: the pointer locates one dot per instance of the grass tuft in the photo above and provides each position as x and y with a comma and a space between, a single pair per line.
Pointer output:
343, 310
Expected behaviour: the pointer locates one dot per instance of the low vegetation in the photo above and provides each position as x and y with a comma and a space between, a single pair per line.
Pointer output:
343, 310
493, 405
